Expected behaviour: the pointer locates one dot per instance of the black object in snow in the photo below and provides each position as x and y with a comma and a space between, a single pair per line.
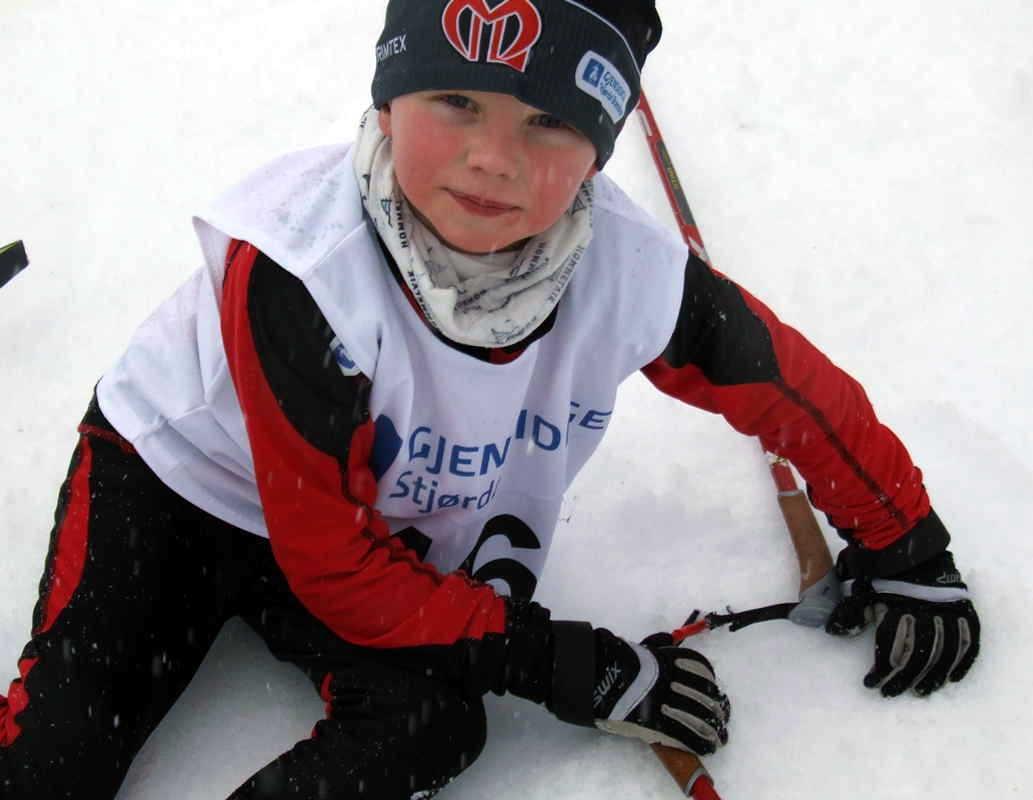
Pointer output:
12, 261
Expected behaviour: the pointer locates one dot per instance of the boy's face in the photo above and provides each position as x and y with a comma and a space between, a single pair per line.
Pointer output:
484, 171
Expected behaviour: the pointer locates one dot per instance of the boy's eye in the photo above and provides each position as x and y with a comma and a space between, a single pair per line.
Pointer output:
549, 121
457, 101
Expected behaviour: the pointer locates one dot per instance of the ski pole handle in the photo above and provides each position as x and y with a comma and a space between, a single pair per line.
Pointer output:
819, 587
808, 541
688, 772
811, 551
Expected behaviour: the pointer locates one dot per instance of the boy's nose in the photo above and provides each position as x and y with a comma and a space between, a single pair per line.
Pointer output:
495, 155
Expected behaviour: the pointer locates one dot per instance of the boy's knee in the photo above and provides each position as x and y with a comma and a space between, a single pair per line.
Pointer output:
421, 722
387, 735
454, 725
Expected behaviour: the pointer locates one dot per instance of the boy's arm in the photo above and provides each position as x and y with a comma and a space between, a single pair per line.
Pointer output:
311, 438
730, 355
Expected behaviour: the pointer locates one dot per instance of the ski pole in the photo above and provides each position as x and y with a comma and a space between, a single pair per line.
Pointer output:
12, 261
812, 552
686, 768
818, 586
688, 772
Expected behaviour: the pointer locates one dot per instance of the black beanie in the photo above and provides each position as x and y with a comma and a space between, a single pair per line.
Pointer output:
579, 60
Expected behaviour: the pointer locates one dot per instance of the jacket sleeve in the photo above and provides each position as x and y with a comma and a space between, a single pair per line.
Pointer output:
730, 355
311, 437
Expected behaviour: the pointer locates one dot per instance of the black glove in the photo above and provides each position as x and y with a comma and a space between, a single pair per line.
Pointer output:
658, 692
652, 691
927, 630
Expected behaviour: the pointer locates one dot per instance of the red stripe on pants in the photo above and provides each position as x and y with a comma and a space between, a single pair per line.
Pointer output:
66, 572
70, 555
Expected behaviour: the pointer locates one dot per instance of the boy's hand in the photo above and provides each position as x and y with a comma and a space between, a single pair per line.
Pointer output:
927, 630
652, 691
658, 692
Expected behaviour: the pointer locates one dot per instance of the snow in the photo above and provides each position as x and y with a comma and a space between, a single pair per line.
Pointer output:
863, 168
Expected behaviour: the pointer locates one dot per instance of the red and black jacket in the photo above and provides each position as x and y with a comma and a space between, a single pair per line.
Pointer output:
311, 437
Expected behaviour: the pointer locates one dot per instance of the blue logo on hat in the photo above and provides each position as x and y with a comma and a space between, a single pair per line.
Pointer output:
600, 79
594, 72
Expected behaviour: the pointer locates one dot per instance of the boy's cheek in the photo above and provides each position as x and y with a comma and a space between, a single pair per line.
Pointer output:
416, 174
423, 153
557, 182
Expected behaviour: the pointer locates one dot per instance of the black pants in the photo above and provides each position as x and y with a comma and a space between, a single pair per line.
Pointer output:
137, 585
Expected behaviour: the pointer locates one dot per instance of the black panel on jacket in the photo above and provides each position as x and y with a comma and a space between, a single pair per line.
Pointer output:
925, 541
717, 332
293, 341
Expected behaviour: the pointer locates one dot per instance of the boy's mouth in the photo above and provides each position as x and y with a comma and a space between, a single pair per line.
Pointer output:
480, 205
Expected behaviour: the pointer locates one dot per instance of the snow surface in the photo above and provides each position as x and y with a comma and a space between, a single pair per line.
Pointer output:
865, 168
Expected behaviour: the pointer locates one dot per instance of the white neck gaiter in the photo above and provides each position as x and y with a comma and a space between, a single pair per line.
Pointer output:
491, 300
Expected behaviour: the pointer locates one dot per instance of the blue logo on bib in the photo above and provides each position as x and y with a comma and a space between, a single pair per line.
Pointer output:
387, 444
344, 361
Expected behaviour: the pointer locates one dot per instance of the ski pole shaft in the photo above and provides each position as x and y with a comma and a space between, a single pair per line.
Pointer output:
686, 768
811, 549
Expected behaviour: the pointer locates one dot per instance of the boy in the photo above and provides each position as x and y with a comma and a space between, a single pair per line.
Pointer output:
355, 425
